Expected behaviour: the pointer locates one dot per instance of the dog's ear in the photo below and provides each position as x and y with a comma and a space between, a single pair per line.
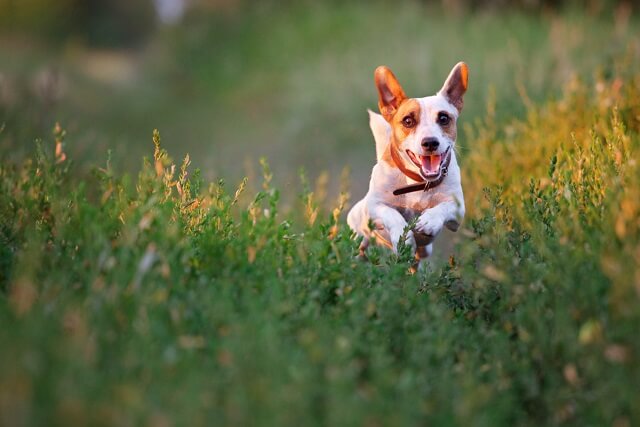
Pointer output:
456, 85
381, 130
390, 93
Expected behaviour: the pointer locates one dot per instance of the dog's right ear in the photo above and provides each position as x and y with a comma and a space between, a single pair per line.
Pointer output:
390, 93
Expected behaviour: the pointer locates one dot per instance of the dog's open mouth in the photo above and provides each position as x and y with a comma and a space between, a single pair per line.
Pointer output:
430, 166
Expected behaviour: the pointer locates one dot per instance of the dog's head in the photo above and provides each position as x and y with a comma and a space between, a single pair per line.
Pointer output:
423, 128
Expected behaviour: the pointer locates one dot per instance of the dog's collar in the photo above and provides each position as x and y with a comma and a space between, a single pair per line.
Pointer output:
422, 184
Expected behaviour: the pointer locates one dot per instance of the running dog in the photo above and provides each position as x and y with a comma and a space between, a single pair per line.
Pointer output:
417, 175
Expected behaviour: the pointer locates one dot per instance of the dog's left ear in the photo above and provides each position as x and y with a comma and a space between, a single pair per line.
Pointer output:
456, 85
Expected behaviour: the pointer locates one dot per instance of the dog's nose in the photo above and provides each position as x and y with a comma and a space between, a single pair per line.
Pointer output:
431, 144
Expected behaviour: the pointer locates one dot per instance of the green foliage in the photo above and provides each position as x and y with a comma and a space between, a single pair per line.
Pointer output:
165, 300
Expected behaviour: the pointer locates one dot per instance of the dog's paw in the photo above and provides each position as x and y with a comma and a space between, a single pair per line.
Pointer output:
430, 225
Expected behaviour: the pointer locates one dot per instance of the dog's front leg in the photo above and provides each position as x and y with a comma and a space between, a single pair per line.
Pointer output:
447, 214
393, 223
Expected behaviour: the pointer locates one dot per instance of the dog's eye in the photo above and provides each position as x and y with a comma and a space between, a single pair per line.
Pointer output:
443, 119
409, 122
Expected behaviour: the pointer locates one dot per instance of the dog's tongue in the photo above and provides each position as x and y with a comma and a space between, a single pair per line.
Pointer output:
430, 164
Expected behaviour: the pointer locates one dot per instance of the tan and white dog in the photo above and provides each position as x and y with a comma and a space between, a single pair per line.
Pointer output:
417, 174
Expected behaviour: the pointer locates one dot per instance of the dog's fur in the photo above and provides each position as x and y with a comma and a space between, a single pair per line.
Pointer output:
415, 125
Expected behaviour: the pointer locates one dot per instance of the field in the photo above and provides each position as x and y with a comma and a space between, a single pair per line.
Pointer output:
159, 292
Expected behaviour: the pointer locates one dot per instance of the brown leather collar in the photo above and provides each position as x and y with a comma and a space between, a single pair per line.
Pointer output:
422, 184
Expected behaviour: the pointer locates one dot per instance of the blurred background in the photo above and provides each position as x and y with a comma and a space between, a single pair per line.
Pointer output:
230, 81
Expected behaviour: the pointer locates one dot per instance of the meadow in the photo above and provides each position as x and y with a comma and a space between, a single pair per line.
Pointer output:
164, 294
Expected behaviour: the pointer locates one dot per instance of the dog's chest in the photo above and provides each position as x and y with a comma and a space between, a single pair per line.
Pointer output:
412, 205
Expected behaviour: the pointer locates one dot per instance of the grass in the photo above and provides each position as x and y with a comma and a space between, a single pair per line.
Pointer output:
156, 294
165, 299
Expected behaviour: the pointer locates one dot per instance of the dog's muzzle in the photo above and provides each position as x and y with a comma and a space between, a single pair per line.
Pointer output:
431, 166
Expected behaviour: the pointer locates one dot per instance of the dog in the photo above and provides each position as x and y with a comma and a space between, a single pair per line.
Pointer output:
417, 177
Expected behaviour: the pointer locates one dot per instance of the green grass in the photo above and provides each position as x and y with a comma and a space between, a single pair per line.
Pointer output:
164, 299
154, 294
